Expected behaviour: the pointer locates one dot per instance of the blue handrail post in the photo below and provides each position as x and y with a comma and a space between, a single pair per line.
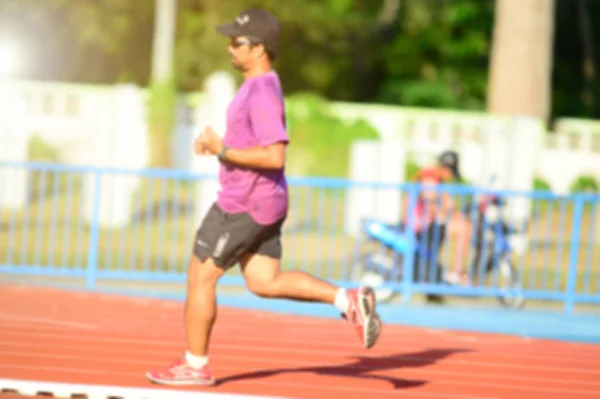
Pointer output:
574, 254
92, 265
408, 258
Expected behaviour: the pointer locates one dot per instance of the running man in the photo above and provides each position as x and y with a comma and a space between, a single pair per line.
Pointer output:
244, 224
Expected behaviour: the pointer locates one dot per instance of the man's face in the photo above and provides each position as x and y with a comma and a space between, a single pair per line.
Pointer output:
446, 173
429, 192
243, 53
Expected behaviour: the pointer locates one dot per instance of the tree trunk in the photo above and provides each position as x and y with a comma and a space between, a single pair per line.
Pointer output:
164, 40
587, 42
162, 86
521, 58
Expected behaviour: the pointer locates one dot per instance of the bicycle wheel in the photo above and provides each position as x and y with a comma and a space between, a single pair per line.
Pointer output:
372, 277
507, 279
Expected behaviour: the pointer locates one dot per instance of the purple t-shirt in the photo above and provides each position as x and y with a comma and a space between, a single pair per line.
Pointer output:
255, 117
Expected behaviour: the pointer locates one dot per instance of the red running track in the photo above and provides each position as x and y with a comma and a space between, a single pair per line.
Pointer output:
59, 336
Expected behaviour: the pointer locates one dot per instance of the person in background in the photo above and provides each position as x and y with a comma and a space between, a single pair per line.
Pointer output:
458, 225
429, 221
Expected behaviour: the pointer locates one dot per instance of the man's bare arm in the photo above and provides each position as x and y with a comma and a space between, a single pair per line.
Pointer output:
269, 157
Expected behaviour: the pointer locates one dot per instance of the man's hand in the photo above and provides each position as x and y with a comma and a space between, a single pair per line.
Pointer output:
271, 156
199, 147
208, 143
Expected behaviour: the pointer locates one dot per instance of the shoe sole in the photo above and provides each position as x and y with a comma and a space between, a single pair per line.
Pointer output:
181, 382
372, 323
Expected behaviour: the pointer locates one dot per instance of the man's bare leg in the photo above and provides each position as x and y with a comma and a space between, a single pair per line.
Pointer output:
200, 316
201, 304
264, 278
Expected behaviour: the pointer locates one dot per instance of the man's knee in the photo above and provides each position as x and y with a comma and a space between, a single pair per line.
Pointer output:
261, 274
263, 288
263, 285
203, 272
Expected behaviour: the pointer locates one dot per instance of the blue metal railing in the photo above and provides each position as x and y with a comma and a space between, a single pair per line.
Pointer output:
60, 220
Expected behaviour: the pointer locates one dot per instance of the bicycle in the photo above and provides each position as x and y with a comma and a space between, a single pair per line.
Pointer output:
493, 247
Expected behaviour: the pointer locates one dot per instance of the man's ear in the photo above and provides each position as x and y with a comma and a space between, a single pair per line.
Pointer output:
259, 50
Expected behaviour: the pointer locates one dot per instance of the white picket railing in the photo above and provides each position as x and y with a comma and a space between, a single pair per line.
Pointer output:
106, 125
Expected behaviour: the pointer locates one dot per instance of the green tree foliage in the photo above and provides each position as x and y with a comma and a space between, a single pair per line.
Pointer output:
585, 183
433, 53
568, 77
540, 184
439, 57
317, 41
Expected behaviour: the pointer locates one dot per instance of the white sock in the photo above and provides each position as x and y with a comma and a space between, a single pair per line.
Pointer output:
341, 300
194, 361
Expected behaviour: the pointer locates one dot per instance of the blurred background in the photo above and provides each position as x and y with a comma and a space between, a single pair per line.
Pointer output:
537, 59
87, 86
427, 53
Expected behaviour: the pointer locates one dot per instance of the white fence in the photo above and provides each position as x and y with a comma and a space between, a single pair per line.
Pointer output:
72, 115
107, 126
572, 149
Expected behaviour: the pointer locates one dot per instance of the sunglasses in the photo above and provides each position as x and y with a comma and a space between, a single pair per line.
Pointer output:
238, 42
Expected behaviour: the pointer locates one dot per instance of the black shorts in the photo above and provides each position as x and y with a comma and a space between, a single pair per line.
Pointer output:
226, 237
